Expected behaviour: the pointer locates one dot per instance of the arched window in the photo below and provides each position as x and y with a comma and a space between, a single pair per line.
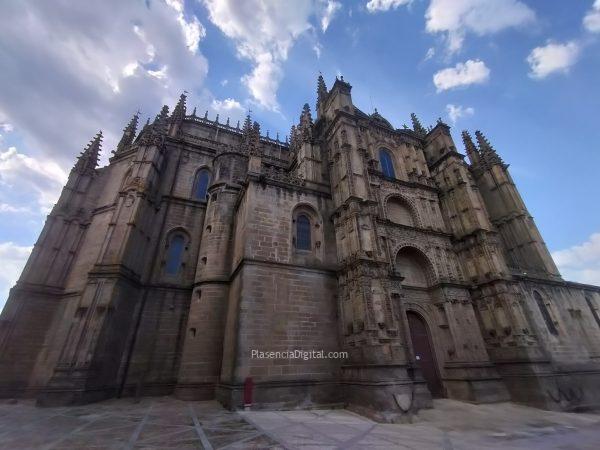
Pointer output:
303, 232
399, 212
175, 254
545, 313
201, 184
387, 167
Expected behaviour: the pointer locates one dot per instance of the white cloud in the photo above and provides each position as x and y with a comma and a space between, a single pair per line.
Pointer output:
581, 262
228, 109
89, 68
42, 178
329, 12
318, 48
463, 74
6, 208
12, 260
456, 18
455, 112
192, 29
591, 21
264, 32
6, 127
552, 57
130, 69
430, 54
229, 104
385, 5
224, 82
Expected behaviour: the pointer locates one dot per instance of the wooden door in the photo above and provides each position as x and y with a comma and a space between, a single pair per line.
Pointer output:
424, 353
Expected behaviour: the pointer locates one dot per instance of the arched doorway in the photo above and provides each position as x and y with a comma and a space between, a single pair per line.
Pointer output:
424, 355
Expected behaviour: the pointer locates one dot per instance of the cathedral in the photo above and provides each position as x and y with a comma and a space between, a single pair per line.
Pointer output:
203, 243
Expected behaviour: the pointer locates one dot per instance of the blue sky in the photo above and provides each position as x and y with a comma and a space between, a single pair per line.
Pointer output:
522, 71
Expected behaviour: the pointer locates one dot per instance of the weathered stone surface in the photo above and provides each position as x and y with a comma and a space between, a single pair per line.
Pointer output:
201, 242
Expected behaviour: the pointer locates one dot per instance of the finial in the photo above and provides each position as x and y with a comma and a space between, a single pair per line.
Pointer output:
163, 114
247, 124
238, 125
482, 141
206, 114
470, 148
217, 118
194, 112
227, 122
179, 111
88, 159
128, 133
277, 138
487, 152
416, 123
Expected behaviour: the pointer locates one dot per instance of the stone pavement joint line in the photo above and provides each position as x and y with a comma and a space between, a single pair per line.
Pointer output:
138, 430
168, 423
199, 430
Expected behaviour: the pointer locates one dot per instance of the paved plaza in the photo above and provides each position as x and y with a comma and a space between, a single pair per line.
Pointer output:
167, 423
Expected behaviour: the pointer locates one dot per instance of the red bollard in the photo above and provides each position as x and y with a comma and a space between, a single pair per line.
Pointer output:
248, 387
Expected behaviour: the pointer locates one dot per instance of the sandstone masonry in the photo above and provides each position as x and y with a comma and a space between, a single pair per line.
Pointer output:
200, 242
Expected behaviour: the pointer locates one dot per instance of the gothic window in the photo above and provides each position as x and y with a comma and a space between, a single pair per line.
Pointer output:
545, 313
399, 212
175, 250
387, 167
303, 232
593, 308
201, 184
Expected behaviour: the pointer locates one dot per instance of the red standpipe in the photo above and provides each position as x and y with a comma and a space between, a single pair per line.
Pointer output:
248, 387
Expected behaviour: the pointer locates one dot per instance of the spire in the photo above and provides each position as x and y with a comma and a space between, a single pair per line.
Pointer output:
472, 151
162, 115
306, 124
156, 129
161, 122
179, 111
487, 152
417, 127
321, 90
88, 159
247, 125
128, 133
254, 147
250, 136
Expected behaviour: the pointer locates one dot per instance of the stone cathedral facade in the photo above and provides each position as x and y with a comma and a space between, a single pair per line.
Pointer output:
202, 241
